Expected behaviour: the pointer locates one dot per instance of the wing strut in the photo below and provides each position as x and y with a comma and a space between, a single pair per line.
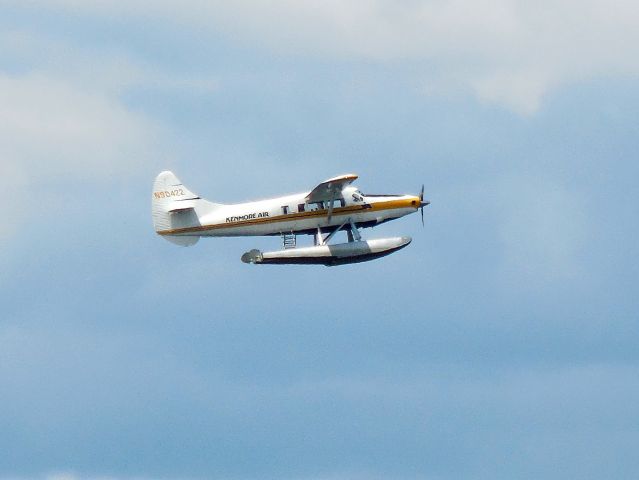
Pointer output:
330, 206
335, 231
354, 231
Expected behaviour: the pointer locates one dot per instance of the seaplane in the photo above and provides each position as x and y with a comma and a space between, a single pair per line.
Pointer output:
335, 205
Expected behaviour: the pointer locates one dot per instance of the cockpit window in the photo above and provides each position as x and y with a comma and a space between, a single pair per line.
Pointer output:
357, 196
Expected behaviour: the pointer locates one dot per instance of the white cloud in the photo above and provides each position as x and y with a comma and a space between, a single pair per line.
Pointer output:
522, 91
64, 121
55, 133
54, 128
508, 52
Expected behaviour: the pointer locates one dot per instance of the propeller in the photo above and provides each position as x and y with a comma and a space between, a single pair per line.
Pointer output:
422, 203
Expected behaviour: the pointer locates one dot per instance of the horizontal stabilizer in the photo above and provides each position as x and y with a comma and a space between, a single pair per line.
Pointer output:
181, 206
181, 241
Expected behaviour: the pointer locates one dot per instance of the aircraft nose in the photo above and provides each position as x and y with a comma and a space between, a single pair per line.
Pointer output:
416, 202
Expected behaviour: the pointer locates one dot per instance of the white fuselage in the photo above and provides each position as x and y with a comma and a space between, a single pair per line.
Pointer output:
293, 214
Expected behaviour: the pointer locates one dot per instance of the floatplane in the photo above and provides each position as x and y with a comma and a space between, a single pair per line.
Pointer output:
335, 205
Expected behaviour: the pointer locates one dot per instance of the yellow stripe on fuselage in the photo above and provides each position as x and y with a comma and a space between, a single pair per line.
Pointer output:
375, 207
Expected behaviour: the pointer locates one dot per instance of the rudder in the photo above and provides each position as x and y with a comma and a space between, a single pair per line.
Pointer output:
173, 206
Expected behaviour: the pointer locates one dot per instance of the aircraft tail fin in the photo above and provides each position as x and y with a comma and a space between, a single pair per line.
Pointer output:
173, 206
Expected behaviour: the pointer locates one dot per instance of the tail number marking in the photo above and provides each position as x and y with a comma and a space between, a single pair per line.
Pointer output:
169, 193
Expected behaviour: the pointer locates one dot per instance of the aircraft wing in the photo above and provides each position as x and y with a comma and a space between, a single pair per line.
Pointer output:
330, 189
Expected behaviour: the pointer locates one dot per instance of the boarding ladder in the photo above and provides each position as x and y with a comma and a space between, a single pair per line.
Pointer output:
289, 240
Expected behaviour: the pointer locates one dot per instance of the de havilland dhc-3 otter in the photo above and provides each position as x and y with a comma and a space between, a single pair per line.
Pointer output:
182, 217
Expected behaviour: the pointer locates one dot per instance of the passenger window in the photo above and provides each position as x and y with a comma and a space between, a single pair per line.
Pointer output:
285, 209
300, 207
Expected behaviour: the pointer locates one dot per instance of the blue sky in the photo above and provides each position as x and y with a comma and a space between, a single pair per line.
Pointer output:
501, 344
